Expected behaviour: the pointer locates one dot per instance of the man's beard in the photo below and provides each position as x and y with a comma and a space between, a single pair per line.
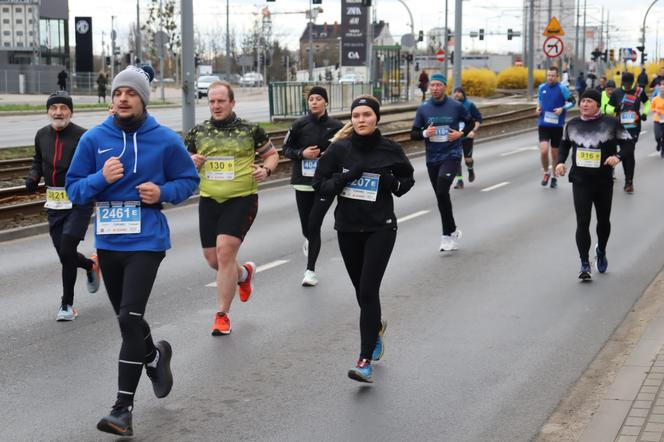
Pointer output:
59, 124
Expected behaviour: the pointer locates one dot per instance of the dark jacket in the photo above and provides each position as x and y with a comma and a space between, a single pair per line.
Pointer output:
308, 131
54, 151
371, 154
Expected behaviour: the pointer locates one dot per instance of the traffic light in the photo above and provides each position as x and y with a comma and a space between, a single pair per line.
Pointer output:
197, 60
366, 2
317, 2
605, 55
108, 60
510, 34
449, 35
644, 57
420, 36
612, 55
452, 57
261, 59
481, 34
596, 54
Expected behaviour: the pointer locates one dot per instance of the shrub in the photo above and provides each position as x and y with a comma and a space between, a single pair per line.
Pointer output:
479, 82
516, 77
614, 73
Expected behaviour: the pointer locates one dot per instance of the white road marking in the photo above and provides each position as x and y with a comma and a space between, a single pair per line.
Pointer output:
264, 267
654, 154
412, 215
643, 132
496, 186
519, 150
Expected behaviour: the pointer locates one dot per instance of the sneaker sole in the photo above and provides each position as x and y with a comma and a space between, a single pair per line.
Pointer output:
309, 284
586, 277
167, 354
108, 427
358, 377
216, 332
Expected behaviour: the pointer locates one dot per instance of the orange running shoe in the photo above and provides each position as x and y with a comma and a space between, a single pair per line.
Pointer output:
222, 324
247, 286
94, 276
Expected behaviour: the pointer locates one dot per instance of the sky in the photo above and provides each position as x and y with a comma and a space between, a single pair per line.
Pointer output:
288, 19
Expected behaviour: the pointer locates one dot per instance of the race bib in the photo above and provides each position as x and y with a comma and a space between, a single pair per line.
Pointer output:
57, 199
309, 167
364, 188
551, 118
118, 217
588, 158
627, 117
441, 134
220, 168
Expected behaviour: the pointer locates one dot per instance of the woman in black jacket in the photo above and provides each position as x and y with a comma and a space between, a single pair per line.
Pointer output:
364, 169
307, 139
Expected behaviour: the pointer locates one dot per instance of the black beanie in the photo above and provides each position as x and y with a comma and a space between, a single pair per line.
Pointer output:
60, 97
627, 79
318, 90
460, 89
610, 83
593, 94
365, 101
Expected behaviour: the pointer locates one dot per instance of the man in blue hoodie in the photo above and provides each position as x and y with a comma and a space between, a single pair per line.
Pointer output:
467, 142
129, 165
437, 121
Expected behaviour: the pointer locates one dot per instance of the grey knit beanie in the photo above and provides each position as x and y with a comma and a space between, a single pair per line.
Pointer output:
136, 78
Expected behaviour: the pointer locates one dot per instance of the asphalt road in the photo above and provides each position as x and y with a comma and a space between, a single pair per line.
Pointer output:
19, 130
481, 343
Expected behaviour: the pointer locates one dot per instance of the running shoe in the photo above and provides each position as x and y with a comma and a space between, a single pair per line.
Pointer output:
629, 187
161, 375
305, 247
247, 286
379, 349
310, 279
459, 184
94, 275
601, 263
118, 422
362, 372
471, 175
66, 313
545, 179
584, 273
222, 324
554, 182
450, 242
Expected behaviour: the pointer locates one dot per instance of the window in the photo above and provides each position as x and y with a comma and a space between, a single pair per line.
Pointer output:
19, 33
5, 21
18, 10
19, 21
30, 21
19, 44
6, 43
31, 33
5, 9
6, 33
30, 10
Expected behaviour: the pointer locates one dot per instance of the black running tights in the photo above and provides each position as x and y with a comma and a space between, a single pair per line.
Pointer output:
585, 196
128, 277
366, 255
71, 261
628, 160
312, 209
442, 175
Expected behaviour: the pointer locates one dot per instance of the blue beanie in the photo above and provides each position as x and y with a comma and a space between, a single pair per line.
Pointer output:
439, 77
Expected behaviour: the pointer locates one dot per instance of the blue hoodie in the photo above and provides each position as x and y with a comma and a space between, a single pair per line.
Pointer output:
154, 153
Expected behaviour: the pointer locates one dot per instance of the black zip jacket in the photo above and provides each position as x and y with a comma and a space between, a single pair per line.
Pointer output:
604, 134
308, 131
54, 151
353, 156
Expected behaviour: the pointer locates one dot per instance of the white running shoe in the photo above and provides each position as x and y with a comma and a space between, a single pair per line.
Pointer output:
450, 242
66, 314
305, 247
310, 279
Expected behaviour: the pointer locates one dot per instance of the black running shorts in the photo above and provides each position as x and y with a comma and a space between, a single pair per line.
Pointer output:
233, 217
551, 134
72, 222
467, 145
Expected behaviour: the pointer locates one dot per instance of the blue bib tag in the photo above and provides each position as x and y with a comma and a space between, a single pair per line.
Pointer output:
309, 167
364, 188
118, 217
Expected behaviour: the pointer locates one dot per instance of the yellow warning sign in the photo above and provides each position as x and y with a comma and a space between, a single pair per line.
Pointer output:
553, 28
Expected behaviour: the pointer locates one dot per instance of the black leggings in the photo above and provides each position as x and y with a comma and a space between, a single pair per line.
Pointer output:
366, 255
71, 261
628, 160
441, 175
585, 195
312, 209
128, 277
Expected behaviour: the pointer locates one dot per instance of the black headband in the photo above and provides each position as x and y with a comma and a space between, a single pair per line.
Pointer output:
363, 101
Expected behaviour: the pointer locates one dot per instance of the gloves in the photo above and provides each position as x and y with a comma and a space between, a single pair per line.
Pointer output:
31, 185
644, 117
353, 173
388, 181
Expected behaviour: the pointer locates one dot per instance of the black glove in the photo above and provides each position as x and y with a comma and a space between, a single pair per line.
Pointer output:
644, 117
354, 172
388, 181
31, 185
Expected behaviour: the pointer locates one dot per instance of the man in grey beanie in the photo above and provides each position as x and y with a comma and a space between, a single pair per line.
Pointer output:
137, 79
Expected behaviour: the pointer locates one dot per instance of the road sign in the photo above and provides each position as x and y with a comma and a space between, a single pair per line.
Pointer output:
440, 55
553, 47
408, 41
553, 29
627, 54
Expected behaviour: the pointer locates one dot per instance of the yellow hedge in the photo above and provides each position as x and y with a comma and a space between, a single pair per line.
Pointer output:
479, 82
516, 77
614, 73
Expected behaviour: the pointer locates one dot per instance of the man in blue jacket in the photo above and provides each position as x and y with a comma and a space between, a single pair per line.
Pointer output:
129, 165
437, 121
553, 101
468, 141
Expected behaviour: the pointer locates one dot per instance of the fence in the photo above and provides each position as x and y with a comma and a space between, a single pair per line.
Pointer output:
44, 80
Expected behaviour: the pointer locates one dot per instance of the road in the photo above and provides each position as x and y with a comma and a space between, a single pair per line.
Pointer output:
482, 344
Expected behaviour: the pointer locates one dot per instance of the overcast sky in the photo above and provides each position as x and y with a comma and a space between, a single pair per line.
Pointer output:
288, 25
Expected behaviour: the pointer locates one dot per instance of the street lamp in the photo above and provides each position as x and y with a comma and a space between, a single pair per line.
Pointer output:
643, 35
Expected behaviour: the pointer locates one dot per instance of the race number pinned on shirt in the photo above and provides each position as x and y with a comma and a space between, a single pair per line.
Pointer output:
441, 134
57, 199
220, 168
551, 118
364, 188
309, 167
588, 158
118, 217
627, 117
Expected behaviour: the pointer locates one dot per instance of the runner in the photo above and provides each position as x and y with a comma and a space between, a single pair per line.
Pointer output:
67, 223
593, 139
467, 141
364, 169
305, 142
657, 107
631, 104
223, 149
606, 96
129, 165
437, 121
553, 101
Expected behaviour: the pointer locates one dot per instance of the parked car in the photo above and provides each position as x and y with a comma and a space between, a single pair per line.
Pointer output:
251, 79
233, 79
349, 78
202, 84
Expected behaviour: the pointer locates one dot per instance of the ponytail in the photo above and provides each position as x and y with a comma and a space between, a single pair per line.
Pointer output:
344, 132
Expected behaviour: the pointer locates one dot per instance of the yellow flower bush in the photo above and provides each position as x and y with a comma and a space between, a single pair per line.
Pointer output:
516, 77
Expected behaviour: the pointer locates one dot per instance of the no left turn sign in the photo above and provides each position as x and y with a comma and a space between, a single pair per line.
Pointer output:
553, 47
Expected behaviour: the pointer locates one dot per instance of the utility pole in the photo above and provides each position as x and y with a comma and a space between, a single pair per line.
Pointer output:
139, 53
228, 44
445, 46
583, 40
548, 60
370, 57
531, 48
188, 68
576, 39
113, 37
311, 43
162, 43
524, 40
457, 43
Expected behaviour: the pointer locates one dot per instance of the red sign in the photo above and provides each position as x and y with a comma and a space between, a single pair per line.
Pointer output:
440, 55
553, 47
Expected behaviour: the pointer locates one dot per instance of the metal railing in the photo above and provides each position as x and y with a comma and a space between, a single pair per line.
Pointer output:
42, 81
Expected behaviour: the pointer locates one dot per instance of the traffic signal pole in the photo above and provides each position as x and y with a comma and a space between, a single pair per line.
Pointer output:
643, 34
457, 44
188, 68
